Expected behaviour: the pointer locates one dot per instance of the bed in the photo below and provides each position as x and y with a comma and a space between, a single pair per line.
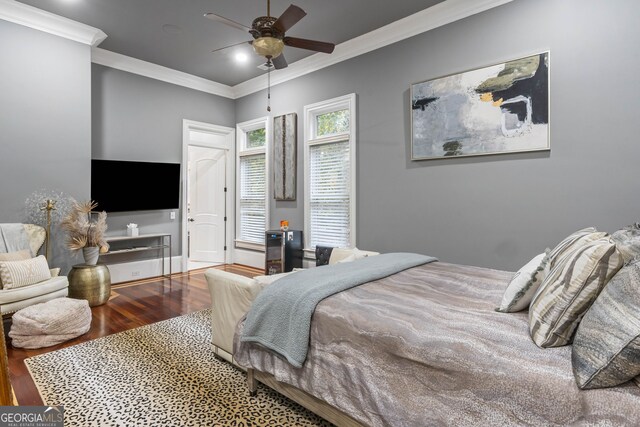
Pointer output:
426, 347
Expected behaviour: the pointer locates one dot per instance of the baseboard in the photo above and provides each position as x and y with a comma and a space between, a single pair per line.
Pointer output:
250, 258
135, 270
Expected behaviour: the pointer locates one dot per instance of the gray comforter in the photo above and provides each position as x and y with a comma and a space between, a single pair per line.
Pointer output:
425, 347
280, 316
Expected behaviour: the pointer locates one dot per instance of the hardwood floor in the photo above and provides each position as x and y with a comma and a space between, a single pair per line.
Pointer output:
131, 305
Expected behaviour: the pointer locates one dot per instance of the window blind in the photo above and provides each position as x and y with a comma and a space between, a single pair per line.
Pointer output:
252, 198
329, 198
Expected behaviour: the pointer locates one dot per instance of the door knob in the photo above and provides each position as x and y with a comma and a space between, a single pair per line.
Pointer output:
191, 219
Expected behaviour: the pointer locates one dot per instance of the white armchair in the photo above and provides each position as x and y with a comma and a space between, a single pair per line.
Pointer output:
12, 300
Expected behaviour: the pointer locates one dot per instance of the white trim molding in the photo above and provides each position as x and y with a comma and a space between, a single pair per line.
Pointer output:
241, 142
433, 17
229, 146
425, 20
311, 112
143, 269
158, 72
254, 259
38, 19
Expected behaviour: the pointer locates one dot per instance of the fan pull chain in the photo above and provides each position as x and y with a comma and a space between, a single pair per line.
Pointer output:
269, 86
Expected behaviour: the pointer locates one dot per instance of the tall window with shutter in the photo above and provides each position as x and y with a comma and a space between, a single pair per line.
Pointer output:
251, 181
330, 142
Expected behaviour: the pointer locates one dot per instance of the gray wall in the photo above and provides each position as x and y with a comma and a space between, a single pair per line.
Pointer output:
138, 118
496, 211
45, 122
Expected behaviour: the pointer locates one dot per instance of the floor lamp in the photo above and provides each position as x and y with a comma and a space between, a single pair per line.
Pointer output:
49, 205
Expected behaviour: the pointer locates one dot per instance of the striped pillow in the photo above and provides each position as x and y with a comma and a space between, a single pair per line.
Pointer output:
572, 242
569, 290
14, 256
606, 348
16, 274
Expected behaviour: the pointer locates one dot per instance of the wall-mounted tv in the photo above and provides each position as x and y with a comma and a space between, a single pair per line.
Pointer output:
122, 186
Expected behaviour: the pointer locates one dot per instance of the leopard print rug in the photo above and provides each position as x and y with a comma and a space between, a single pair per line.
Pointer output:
161, 374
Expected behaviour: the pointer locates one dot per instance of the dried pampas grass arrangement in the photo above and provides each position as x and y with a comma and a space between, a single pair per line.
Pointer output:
84, 231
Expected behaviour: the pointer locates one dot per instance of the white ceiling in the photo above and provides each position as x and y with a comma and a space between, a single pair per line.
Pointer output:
135, 28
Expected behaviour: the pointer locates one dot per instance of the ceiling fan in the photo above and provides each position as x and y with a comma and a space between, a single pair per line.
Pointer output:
269, 37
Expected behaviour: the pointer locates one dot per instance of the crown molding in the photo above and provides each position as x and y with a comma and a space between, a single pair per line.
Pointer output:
435, 16
158, 72
38, 19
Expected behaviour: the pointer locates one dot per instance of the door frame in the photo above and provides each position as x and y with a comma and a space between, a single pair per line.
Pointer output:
229, 146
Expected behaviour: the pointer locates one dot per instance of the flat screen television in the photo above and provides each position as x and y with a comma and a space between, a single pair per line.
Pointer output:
122, 186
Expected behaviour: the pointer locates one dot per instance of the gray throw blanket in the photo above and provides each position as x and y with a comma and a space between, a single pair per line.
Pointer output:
13, 238
280, 317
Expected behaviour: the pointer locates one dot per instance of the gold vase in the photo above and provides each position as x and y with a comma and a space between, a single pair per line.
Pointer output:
90, 282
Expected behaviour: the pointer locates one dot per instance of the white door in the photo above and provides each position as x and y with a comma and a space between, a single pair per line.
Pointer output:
206, 204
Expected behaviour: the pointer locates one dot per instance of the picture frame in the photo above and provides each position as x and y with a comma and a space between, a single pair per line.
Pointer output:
497, 109
285, 129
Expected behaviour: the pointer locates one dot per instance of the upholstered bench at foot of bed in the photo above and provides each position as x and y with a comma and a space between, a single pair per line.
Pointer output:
231, 298
233, 294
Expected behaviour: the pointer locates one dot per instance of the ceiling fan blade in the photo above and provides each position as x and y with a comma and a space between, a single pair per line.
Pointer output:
309, 44
232, 45
289, 18
227, 21
279, 62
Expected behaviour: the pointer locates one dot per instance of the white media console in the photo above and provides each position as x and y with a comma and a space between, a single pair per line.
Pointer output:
160, 242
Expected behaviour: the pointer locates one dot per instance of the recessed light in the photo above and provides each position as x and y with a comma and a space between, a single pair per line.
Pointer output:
171, 29
241, 57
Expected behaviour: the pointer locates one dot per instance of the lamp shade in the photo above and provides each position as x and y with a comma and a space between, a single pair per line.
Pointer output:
268, 46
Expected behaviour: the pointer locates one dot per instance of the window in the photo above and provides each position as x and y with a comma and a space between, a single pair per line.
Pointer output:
251, 211
330, 165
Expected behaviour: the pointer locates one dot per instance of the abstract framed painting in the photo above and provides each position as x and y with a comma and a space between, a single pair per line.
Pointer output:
285, 129
503, 108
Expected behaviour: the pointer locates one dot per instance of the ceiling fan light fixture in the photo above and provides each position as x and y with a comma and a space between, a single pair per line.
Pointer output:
270, 47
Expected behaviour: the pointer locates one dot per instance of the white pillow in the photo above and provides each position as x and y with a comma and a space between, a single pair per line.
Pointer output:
16, 274
338, 254
350, 258
524, 284
362, 254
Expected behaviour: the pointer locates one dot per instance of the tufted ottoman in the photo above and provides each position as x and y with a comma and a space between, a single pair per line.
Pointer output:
50, 323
